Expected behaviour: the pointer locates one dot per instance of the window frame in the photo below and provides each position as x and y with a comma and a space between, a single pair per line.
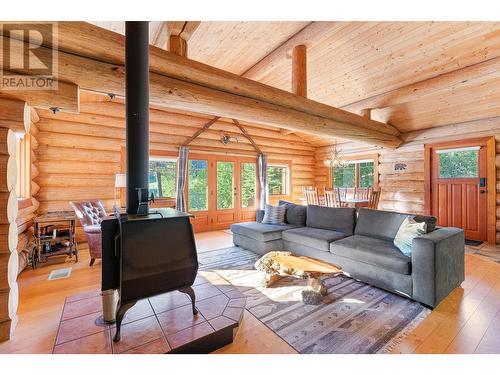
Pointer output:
168, 159
23, 170
358, 159
288, 183
159, 202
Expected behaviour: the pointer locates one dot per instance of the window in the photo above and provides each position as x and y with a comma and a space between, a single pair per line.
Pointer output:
162, 177
458, 163
225, 185
366, 172
198, 185
278, 179
248, 183
345, 177
358, 173
23, 160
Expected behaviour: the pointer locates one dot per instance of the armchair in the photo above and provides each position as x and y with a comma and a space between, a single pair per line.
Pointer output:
91, 214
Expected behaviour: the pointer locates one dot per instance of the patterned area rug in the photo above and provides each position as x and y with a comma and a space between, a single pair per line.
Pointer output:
354, 318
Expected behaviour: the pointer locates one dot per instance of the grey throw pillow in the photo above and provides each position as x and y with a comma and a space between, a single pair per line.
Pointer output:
295, 213
274, 215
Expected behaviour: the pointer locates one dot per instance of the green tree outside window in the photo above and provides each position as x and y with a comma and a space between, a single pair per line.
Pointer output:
198, 185
162, 178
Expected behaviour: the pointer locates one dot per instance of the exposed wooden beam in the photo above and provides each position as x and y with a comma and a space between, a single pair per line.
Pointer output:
189, 28
177, 45
15, 114
415, 91
103, 45
367, 112
175, 27
183, 29
306, 35
247, 136
299, 70
160, 40
66, 98
200, 131
185, 84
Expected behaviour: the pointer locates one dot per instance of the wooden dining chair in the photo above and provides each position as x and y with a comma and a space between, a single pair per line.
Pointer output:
374, 198
362, 193
342, 193
311, 196
331, 197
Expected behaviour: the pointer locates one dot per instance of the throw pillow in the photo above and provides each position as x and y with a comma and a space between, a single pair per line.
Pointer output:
295, 213
408, 230
431, 221
274, 215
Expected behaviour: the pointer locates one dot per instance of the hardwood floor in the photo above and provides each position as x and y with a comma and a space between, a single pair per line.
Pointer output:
467, 321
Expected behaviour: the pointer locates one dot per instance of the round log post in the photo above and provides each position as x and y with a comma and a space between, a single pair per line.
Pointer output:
299, 70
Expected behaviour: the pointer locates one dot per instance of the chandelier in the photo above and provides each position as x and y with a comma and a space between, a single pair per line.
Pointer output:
335, 159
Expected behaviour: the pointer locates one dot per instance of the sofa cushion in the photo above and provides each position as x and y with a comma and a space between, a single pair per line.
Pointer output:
379, 224
274, 215
295, 213
332, 218
259, 231
313, 237
372, 251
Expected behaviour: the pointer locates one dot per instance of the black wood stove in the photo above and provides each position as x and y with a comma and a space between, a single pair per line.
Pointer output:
147, 255
144, 253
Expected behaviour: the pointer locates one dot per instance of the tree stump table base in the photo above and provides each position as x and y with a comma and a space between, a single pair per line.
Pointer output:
279, 264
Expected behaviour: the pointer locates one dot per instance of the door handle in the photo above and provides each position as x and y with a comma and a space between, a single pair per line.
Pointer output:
482, 191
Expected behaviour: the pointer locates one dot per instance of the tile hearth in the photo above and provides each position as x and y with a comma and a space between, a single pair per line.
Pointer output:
160, 324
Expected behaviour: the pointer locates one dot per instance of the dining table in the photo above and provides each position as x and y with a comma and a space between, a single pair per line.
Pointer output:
356, 202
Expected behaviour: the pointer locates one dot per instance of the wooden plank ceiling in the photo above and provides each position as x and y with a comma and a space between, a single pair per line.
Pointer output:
353, 64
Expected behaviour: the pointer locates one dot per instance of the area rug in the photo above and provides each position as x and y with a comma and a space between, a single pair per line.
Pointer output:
354, 318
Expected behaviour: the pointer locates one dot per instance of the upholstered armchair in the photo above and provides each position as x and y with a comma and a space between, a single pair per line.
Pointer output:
90, 215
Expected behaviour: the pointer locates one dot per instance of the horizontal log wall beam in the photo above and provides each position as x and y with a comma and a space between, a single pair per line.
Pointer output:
191, 79
66, 98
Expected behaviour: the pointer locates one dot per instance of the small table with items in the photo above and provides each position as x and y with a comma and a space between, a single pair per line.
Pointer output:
279, 264
54, 235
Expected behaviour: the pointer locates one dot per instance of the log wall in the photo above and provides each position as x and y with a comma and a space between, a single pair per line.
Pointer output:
404, 190
79, 154
15, 116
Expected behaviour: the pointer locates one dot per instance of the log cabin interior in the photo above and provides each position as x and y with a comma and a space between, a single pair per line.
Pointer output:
250, 187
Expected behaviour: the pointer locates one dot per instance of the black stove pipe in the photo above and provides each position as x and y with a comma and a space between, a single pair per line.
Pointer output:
137, 110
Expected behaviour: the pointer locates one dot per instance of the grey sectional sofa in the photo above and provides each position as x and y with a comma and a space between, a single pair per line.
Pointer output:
362, 243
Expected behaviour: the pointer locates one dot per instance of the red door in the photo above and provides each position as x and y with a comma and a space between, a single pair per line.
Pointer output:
458, 187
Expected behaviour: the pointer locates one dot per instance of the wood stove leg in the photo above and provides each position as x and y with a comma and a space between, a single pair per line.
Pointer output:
122, 309
190, 292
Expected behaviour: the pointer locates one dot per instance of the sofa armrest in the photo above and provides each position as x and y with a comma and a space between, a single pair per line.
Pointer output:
259, 216
437, 264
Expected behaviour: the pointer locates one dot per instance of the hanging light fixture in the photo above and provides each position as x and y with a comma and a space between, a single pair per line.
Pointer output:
335, 159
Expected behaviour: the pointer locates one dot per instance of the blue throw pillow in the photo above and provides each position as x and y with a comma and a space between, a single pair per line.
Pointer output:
408, 230
274, 215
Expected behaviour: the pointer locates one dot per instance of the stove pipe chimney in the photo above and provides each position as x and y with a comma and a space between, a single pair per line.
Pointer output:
137, 111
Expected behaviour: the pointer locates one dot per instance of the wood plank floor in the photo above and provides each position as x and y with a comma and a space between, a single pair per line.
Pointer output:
468, 321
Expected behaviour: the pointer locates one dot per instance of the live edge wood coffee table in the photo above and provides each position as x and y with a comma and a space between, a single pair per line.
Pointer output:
279, 264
